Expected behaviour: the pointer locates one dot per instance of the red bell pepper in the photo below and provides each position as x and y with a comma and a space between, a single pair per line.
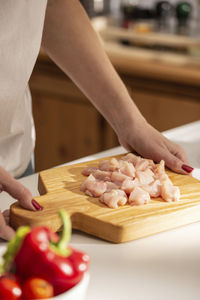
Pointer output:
43, 254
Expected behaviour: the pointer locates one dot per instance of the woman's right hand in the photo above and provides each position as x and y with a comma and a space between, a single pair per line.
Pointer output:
149, 143
19, 192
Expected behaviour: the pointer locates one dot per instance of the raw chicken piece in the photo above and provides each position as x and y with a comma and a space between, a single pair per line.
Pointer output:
144, 177
93, 187
154, 189
132, 158
102, 175
151, 164
114, 198
109, 165
89, 170
160, 172
169, 192
149, 172
128, 185
111, 186
132, 175
127, 168
86, 181
118, 178
138, 197
142, 164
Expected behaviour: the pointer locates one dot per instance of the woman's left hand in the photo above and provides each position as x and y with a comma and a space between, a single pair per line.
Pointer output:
21, 193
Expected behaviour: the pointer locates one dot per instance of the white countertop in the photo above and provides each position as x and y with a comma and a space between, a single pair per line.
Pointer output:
163, 266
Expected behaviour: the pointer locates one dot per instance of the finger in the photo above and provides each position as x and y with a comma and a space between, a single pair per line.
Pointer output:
178, 151
182, 156
175, 164
17, 190
7, 220
182, 164
6, 215
6, 232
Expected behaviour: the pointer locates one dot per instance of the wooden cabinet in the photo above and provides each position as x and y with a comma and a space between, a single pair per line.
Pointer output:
69, 127
164, 104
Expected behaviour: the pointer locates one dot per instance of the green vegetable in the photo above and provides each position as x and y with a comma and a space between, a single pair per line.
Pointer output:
13, 247
61, 246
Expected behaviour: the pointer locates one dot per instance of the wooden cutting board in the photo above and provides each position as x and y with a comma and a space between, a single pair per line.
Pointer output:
60, 188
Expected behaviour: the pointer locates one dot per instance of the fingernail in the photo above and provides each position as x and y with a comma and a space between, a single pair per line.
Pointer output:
36, 205
187, 168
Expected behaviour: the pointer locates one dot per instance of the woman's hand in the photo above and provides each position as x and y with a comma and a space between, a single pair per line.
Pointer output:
19, 192
149, 143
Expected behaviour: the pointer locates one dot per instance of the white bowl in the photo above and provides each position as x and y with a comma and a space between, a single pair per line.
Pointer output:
78, 292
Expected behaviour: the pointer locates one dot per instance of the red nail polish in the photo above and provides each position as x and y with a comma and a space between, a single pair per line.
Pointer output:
187, 169
36, 205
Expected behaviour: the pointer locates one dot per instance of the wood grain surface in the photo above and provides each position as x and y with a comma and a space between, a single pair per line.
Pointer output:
60, 188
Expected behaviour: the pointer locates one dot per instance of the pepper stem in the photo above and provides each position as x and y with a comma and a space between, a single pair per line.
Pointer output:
61, 246
12, 248
66, 232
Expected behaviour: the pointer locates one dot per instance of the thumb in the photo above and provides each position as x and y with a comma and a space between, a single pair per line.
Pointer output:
6, 232
176, 164
17, 191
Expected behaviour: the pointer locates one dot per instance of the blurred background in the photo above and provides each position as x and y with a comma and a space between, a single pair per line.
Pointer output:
155, 48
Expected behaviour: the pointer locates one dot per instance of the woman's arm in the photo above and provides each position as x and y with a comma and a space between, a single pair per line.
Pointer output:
71, 42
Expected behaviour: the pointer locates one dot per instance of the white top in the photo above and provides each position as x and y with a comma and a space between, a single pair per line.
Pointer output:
162, 266
21, 25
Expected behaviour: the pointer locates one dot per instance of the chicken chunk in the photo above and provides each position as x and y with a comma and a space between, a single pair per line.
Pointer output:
93, 187
109, 165
111, 186
160, 171
89, 170
128, 185
169, 192
127, 168
154, 188
144, 177
118, 178
142, 164
114, 198
132, 158
138, 197
102, 175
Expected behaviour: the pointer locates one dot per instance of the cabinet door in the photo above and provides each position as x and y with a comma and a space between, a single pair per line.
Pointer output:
165, 112
67, 125
64, 131
164, 105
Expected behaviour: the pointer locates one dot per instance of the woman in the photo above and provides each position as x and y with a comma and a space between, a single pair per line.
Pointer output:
69, 39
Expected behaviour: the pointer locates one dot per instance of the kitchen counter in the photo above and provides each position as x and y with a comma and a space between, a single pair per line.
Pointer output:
163, 266
164, 67
171, 68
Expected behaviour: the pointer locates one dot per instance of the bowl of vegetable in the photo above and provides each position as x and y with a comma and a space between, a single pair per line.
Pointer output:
39, 264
